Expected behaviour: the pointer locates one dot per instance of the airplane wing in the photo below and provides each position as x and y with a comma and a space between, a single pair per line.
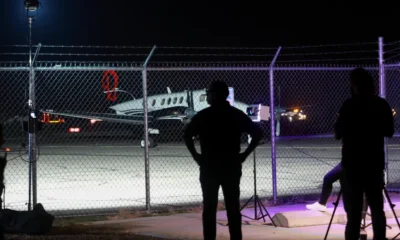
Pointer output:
102, 117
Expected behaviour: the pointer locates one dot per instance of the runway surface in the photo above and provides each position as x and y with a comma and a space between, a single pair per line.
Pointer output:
96, 176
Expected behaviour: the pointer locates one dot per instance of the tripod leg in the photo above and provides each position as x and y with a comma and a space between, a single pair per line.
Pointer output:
248, 201
259, 203
364, 213
266, 211
255, 208
371, 223
392, 207
333, 214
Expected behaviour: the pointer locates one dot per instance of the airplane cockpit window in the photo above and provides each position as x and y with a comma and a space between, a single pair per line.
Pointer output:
175, 100
181, 100
203, 97
154, 102
169, 101
162, 101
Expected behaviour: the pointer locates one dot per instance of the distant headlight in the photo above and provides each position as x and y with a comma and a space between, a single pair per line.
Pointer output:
302, 117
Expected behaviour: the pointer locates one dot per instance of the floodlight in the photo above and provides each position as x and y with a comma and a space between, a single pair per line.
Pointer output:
31, 5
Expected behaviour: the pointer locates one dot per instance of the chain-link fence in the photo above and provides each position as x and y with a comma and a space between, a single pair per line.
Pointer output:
174, 175
392, 80
307, 150
13, 106
91, 153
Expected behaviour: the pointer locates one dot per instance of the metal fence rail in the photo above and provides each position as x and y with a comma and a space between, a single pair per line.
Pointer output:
92, 161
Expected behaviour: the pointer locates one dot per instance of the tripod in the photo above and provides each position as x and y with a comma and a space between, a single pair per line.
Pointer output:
364, 213
392, 207
256, 199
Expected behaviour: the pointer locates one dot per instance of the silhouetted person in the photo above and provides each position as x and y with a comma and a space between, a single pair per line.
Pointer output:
219, 128
3, 163
364, 120
329, 179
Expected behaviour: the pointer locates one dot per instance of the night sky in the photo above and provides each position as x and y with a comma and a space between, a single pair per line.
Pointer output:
195, 23
198, 23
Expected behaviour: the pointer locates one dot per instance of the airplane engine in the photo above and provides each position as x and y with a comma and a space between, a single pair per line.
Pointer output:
190, 112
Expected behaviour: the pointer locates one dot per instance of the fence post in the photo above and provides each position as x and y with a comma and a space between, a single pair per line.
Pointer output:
32, 124
382, 94
146, 131
272, 109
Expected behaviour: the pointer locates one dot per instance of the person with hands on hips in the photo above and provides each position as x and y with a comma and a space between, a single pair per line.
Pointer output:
220, 128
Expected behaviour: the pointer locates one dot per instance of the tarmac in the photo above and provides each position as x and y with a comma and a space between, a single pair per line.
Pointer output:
103, 177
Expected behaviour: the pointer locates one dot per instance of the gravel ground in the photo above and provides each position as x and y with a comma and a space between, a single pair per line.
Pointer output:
78, 232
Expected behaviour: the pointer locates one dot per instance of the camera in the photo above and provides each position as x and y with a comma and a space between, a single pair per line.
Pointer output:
258, 112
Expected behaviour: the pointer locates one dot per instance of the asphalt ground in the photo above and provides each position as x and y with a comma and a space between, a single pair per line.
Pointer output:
86, 176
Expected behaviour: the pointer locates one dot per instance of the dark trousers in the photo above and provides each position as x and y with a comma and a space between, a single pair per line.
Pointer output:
354, 186
331, 177
230, 183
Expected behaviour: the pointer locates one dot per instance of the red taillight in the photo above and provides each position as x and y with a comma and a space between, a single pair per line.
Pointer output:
74, 130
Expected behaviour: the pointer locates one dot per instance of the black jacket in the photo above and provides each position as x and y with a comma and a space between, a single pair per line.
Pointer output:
362, 124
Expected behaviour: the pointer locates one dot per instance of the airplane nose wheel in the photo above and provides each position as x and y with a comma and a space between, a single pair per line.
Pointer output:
151, 143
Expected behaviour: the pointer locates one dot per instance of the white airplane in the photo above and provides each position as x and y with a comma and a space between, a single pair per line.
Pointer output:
180, 106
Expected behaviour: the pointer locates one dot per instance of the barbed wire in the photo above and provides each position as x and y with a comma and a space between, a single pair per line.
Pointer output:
327, 60
320, 62
289, 54
392, 50
197, 47
326, 53
82, 46
395, 56
392, 43
82, 54
269, 48
193, 54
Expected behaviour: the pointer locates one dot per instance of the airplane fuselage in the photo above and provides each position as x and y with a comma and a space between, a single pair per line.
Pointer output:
169, 101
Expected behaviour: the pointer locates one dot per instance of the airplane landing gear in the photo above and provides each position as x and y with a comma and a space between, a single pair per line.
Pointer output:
152, 143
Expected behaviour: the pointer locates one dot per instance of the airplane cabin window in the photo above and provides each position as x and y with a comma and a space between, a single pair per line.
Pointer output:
175, 100
169, 101
162, 101
203, 97
154, 102
181, 100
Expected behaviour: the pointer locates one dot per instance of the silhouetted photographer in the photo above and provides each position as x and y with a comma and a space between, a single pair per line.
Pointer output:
219, 128
364, 121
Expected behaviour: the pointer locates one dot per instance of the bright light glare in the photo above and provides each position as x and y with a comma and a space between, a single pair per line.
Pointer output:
72, 130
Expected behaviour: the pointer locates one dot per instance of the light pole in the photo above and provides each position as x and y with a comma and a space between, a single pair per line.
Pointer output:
31, 7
